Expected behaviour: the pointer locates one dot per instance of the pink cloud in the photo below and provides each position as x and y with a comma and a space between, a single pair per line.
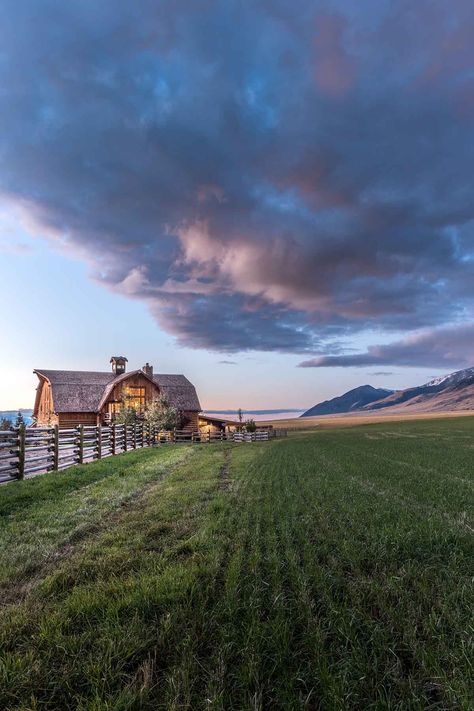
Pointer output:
334, 70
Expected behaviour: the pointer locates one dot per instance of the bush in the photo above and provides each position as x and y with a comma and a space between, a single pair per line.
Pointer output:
250, 426
126, 416
162, 415
5, 424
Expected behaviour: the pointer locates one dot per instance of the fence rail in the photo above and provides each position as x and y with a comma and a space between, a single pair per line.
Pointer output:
25, 451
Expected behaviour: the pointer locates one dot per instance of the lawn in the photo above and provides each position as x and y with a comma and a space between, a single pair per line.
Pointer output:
329, 570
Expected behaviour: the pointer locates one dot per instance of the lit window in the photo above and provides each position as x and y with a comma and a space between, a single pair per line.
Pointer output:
135, 397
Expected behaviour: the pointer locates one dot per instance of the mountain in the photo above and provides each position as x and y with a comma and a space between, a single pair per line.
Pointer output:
459, 376
449, 392
353, 400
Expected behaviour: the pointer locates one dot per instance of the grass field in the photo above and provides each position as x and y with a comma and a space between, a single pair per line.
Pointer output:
355, 419
330, 570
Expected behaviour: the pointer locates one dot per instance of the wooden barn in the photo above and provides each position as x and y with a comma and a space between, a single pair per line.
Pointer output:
73, 397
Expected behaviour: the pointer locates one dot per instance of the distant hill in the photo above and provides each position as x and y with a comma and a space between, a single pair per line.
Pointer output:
353, 400
451, 392
12, 415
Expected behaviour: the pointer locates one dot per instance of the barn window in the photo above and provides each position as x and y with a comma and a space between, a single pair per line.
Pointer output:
135, 397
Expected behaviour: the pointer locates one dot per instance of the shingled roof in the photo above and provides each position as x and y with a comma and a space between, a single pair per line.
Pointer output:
179, 391
83, 391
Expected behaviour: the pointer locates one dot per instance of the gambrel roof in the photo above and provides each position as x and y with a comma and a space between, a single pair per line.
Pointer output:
86, 391
179, 391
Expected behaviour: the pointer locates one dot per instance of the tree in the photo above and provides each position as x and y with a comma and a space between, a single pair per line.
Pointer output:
5, 424
20, 420
126, 416
250, 426
162, 415
240, 414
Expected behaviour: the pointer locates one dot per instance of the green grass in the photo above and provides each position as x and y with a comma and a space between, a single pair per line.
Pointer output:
324, 571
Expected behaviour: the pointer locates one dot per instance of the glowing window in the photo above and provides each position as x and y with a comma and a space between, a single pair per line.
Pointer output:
135, 397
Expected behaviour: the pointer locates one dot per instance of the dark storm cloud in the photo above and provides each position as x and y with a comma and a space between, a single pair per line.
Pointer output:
263, 177
450, 347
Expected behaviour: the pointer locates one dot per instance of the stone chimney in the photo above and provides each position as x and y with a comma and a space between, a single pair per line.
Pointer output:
119, 364
148, 370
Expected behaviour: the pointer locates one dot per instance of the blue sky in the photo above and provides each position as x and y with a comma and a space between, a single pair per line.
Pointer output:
287, 188
58, 317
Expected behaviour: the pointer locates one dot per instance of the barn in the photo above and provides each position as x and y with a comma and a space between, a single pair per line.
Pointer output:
74, 397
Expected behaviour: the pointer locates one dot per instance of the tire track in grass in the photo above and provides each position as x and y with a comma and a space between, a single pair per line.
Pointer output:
125, 618
18, 588
225, 480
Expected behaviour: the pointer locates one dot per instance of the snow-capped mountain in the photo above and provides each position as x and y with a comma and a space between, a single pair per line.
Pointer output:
452, 378
454, 391
451, 392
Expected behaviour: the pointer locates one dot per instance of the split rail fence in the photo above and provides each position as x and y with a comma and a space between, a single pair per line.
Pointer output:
26, 451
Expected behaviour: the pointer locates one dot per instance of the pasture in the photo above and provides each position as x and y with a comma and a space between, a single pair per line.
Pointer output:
328, 570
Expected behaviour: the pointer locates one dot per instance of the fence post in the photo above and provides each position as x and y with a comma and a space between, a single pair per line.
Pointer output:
81, 444
56, 447
112, 438
21, 451
99, 441
209, 436
125, 437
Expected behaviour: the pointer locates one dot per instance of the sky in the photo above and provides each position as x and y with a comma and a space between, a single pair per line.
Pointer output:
273, 198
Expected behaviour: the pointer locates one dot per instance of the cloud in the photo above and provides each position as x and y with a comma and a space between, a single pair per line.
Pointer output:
262, 177
382, 372
450, 347
228, 362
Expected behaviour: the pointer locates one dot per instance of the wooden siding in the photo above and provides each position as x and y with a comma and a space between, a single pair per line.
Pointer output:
72, 419
118, 392
44, 412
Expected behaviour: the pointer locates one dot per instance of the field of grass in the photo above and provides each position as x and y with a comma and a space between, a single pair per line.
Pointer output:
331, 570
356, 419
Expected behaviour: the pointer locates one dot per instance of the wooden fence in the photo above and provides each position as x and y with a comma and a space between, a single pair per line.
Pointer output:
25, 451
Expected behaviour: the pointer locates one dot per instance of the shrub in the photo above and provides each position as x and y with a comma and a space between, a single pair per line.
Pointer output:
250, 426
126, 416
162, 415
5, 424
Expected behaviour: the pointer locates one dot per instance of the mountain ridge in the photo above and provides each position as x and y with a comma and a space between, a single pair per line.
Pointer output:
454, 391
354, 399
